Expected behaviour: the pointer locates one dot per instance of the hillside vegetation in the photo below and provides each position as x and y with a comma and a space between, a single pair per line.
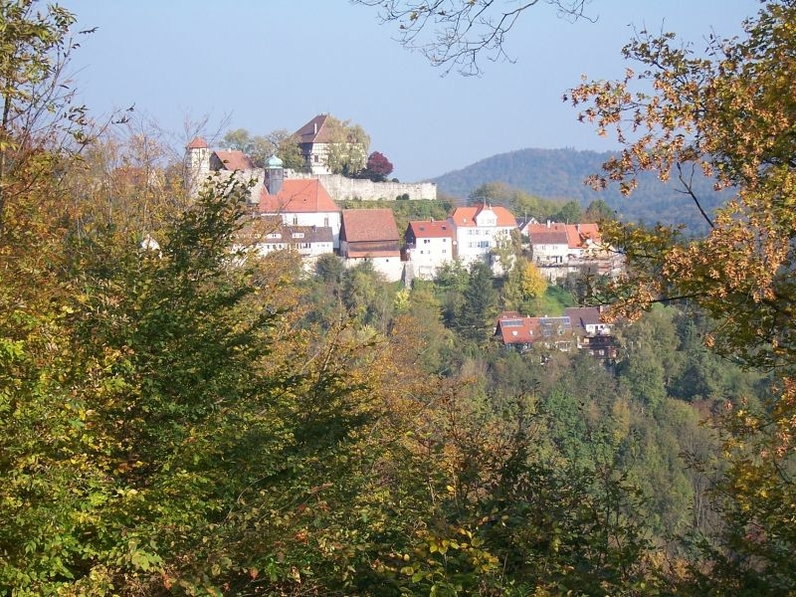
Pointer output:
562, 174
181, 415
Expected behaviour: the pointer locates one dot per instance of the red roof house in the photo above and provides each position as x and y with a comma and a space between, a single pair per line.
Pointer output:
369, 233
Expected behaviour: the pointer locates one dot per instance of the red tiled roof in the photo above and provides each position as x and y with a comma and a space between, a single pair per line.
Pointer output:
315, 131
579, 233
299, 195
369, 225
513, 328
429, 229
543, 234
554, 233
465, 216
234, 160
197, 143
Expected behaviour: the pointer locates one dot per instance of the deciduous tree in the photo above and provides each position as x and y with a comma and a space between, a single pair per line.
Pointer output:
378, 167
729, 114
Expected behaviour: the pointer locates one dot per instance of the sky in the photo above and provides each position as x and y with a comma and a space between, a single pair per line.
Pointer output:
264, 65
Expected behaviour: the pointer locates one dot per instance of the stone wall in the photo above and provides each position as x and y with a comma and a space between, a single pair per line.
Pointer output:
343, 189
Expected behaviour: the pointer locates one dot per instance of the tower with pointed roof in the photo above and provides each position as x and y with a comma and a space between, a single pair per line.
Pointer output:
197, 165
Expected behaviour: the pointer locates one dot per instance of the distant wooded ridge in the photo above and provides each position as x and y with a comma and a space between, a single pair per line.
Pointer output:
560, 174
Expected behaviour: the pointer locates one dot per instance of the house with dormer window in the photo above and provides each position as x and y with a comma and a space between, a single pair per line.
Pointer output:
478, 229
523, 333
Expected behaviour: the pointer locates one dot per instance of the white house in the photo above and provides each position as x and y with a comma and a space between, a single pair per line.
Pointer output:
301, 202
428, 245
310, 242
479, 229
559, 249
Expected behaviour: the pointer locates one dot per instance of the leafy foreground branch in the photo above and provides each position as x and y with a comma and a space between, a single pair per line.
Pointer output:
730, 114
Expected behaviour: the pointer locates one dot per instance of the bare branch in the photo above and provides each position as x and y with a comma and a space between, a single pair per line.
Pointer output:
454, 34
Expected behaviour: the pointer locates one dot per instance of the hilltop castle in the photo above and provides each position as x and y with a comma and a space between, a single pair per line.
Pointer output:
314, 142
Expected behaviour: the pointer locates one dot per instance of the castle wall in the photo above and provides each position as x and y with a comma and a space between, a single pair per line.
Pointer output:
343, 189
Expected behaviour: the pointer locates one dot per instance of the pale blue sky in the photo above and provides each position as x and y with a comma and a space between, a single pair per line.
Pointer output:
274, 64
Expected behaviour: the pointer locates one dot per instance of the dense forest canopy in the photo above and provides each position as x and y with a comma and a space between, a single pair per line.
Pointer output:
183, 416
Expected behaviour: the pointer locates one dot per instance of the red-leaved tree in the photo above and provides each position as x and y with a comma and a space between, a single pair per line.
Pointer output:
378, 167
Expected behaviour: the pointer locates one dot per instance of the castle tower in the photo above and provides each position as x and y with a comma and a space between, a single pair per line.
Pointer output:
274, 175
197, 165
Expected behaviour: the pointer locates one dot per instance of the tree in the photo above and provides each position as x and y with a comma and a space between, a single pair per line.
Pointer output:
347, 147
259, 148
37, 110
524, 287
571, 212
479, 307
455, 33
378, 167
597, 211
728, 114
287, 147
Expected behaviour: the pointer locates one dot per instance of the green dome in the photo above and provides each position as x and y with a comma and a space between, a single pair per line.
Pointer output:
273, 162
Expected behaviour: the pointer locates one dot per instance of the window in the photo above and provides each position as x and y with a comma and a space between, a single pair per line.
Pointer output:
426, 241
295, 220
298, 235
326, 221
273, 235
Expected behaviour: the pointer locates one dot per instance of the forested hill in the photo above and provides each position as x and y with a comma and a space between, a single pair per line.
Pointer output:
560, 174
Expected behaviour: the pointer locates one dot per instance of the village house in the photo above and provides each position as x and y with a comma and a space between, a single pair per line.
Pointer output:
428, 246
478, 229
310, 242
372, 235
560, 249
523, 333
298, 202
592, 333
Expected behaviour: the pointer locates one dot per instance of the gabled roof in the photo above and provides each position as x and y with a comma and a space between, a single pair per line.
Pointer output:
369, 225
583, 316
315, 131
466, 216
234, 159
431, 229
197, 143
548, 234
299, 195
575, 236
514, 328
579, 234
